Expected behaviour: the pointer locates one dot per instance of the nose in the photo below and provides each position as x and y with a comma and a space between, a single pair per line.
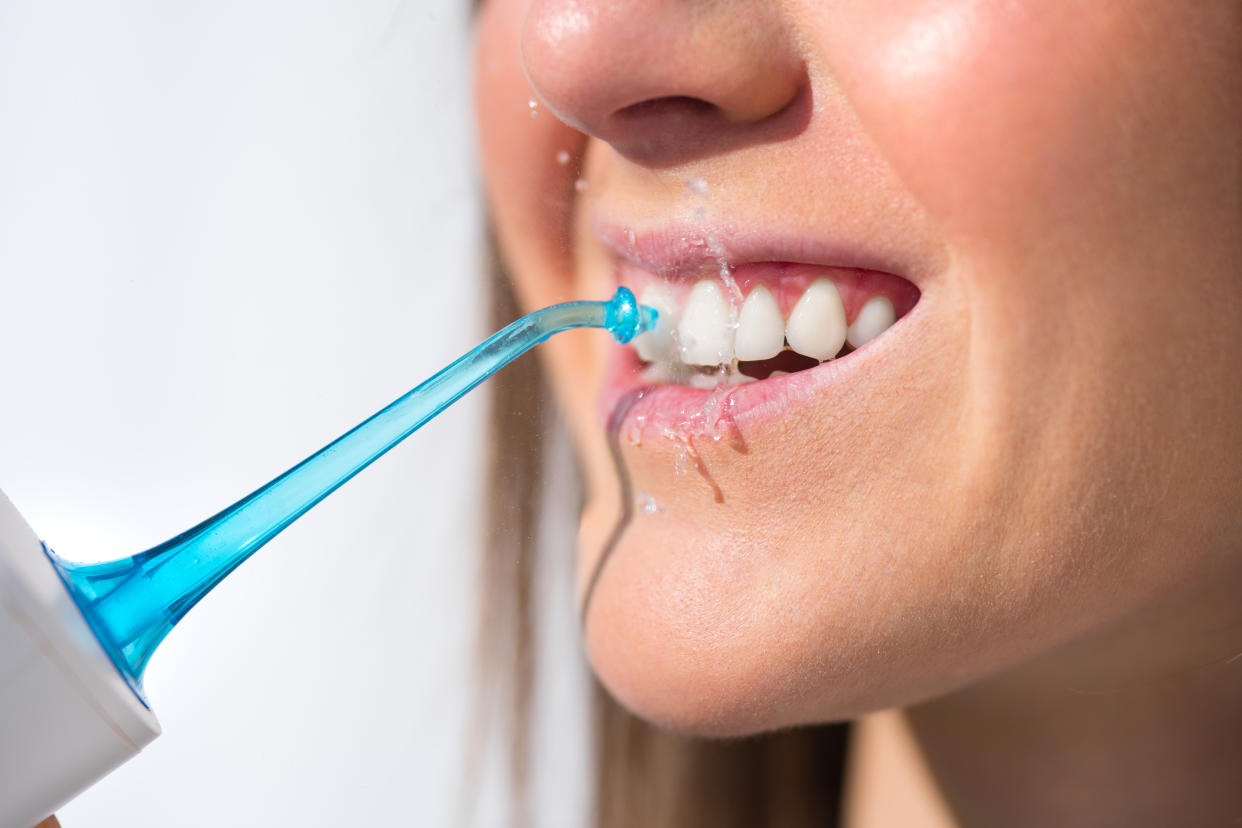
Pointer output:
664, 81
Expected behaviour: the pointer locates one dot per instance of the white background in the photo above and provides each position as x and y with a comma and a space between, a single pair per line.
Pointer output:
228, 232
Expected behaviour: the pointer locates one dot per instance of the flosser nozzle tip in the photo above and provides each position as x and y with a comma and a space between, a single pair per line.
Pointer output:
626, 318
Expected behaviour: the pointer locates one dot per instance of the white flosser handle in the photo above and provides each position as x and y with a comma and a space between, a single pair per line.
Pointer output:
67, 717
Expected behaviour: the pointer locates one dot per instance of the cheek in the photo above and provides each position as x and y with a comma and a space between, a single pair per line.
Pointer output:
999, 116
1074, 162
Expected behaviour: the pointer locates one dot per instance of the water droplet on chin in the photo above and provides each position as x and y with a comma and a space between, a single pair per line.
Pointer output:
562, 157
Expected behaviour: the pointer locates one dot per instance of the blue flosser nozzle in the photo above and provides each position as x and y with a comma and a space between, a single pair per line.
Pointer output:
132, 603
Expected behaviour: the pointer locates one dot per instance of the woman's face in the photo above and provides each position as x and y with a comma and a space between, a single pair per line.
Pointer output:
1046, 441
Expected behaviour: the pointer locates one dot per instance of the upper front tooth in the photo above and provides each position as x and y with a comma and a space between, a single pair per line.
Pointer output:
760, 326
875, 317
816, 326
658, 345
705, 332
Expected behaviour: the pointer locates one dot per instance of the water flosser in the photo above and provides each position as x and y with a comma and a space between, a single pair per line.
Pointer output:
75, 638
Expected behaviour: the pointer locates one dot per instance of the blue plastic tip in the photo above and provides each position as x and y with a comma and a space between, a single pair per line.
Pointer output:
626, 319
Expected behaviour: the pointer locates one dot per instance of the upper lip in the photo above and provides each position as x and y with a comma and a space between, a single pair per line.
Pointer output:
674, 249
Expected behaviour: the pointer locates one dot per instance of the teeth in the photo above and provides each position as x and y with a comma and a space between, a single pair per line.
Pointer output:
709, 330
874, 319
816, 326
658, 345
760, 327
705, 331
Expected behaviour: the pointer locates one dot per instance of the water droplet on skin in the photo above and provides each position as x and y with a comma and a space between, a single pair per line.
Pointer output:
629, 235
687, 457
562, 157
681, 461
696, 186
534, 107
719, 418
647, 504
709, 404
580, 185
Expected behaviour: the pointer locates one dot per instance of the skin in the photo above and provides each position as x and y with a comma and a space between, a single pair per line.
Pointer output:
1021, 524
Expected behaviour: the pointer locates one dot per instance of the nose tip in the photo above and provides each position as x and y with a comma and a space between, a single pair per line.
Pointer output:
663, 80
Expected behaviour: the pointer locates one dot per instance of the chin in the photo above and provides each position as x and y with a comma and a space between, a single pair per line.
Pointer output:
714, 626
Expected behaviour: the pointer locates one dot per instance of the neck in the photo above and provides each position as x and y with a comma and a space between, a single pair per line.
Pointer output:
1137, 725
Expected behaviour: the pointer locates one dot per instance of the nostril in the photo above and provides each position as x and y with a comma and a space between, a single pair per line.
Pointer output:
664, 129
672, 129
671, 105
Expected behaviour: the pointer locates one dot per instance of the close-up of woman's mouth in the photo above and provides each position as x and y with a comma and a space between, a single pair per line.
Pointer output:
738, 338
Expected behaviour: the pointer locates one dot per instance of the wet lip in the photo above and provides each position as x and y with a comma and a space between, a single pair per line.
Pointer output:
631, 405
636, 410
675, 250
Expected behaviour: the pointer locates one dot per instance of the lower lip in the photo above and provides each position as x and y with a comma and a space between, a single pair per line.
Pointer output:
634, 407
